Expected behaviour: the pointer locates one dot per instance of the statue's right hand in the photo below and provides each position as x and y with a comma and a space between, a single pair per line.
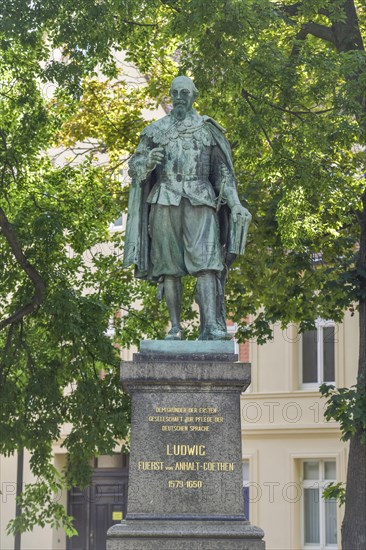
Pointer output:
155, 157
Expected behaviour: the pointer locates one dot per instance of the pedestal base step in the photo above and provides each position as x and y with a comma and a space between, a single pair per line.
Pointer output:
186, 350
183, 535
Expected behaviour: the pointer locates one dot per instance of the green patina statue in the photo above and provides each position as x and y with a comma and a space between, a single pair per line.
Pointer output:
184, 214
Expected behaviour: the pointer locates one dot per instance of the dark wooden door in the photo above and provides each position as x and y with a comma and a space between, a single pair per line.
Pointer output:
96, 508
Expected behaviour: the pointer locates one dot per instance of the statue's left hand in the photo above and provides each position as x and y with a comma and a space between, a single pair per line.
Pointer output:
239, 210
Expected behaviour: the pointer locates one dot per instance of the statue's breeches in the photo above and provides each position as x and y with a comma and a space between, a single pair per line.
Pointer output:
184, 239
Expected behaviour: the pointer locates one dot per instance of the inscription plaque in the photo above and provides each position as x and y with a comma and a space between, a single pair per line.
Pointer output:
186, 457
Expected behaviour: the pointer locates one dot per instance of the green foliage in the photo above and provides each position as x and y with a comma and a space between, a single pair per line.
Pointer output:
336, 491
57, 363
293, 103
348, 407
51, 512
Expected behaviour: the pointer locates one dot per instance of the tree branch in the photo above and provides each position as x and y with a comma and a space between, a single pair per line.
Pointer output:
167, 3
294, 9
298, 114
6, 354
319, 31
38, 283
246, 97
138, 24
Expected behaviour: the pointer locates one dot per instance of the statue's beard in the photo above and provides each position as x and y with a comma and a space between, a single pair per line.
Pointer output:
180, 111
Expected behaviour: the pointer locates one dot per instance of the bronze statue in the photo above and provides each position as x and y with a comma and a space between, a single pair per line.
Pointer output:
184, 214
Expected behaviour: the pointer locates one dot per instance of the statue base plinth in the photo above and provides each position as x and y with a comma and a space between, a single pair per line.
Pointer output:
186, 350
185, 480
183, 535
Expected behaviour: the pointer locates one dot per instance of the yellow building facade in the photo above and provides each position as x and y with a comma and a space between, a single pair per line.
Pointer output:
290, 453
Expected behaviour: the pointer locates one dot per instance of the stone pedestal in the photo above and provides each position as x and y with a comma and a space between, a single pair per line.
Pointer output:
185, 480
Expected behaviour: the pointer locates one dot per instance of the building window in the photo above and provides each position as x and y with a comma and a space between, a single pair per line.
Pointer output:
318, 354
319, 515
117, 224
246, 484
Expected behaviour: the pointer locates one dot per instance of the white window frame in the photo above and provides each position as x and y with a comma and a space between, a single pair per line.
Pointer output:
320, 324
319, 484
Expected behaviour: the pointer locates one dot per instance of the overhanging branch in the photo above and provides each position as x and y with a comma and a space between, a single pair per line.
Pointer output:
297, 113
37, 281
319, 31
315, 29
139, 23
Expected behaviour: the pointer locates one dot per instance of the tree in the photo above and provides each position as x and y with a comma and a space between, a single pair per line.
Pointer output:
287, 80
59, 289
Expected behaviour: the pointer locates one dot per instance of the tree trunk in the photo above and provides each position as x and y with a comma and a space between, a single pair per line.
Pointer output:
354, 523
348, 38
347, 33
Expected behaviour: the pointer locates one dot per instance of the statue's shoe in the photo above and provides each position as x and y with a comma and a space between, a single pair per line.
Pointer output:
175, 333
212, 332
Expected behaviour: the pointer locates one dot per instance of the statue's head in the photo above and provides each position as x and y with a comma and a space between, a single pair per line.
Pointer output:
183, 93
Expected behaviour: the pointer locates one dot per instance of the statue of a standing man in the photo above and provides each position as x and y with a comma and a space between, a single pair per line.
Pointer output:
184, 214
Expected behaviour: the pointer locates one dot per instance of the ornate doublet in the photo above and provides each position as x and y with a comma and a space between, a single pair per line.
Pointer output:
192, 165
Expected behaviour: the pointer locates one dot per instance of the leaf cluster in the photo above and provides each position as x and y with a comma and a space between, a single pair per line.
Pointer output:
348, 407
